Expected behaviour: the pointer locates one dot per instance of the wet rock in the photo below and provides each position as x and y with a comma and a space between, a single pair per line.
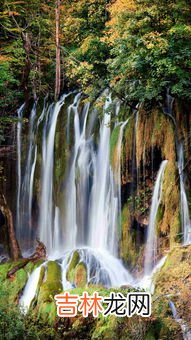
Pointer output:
52, 284
70, 275
80, 275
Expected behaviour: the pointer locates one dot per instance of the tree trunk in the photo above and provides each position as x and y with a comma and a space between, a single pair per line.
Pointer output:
14, 246
58, 57
27, 66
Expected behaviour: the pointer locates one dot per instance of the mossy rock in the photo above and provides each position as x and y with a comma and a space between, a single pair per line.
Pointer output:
106, 328
168, 221
80, 275
75, 258
4, 268
15, 285
113, 145
174, 279
128, 251
52, 285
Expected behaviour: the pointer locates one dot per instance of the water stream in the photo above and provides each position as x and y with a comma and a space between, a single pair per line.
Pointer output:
88, 219
185, 218
186, 331
151, 243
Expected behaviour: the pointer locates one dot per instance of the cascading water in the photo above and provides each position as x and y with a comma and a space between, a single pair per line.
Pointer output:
30, 289
103, 209
151, 243
185, 218
92, 199
46, 231
24, 229
92, 206
186, 331
19, 129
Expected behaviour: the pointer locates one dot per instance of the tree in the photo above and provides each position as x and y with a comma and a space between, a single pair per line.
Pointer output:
14, 246
151, 50
58, 52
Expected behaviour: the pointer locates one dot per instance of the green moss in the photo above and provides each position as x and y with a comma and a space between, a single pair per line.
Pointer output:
170, 224
72, 265
160, 213
106, 328
47, 312
113, 145
174, 279
15, 285
80, 275
52, 285
4, 268
128, 251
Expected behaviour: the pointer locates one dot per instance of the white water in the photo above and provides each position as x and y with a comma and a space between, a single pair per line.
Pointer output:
30, 290
102, 268
186, 331
148, 281
185, 218
26, 193
92, 204
46, 207
151, 243
102, 200
19, 129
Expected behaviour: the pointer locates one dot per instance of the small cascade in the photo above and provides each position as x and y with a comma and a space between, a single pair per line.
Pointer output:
186, 331
103, 209
46, 208
30, 290
77, 187
185, 218
151, 243
102, 268
26, 193
147, 282
117, 174
19, 147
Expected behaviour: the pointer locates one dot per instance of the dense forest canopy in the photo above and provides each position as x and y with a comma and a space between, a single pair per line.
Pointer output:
139, 49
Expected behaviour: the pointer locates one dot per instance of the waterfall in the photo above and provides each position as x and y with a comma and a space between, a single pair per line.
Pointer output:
19, 129
88, 219
185, 218
151, 243
93, 198
46, 208
91, 208
102, 196
26, 193
30, 290
117, 217
186, 331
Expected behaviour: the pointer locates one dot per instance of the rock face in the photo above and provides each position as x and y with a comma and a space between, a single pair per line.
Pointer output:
70, 275
173, 282
77, 271
150, 137
80, 275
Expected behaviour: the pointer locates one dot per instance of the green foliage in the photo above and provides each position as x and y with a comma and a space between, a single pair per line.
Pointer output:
14, 325
155, 50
